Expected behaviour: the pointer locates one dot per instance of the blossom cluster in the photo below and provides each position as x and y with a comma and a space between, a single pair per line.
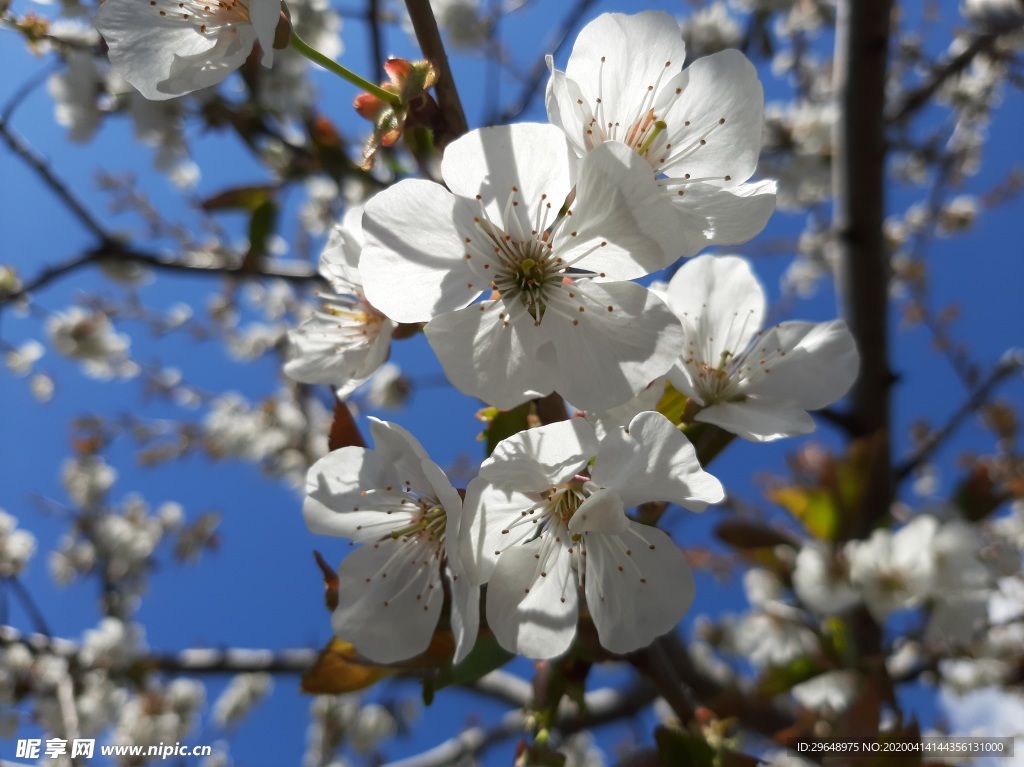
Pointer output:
521, 271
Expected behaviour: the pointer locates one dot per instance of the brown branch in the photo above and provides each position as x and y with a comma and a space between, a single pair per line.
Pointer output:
668, 666
602, 707
862, 43
376, 42
39, 165
116, 253
1003, 370
429, 38
193, 661
915, 99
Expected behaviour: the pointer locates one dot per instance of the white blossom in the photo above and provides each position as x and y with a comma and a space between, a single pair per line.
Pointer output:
758, 386
397, 503
822, 580
346, 341
430, 253
774, 635
16, 546
698, 129
894, 570
91, 339
240, 696
87, 478
544, 523
166, 49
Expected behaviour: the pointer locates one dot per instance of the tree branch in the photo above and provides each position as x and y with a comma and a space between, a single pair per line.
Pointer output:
38, 164
862, 43
1003, 370
554, 44
429, 38
193, 661
602, 707
915, 99
114, 252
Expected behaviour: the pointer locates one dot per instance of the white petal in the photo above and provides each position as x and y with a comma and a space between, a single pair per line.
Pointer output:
356, 493
190, 72
621, 218
465, 614
339, 261
636, 597
537, 459
819, 366
336, 502
723, 85
653, 461
621, 58
413, 261
265, 15
533, 157
602, 512
723, 302
707, 215
336, 350
484, 356
389, 599
533, 614
489, 525
619, 417
625, 338
757, 420
562, 98
142, 44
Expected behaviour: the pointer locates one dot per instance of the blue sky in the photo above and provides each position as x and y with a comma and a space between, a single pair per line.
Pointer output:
261, 589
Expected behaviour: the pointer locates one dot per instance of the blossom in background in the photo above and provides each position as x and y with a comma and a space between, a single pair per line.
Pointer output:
547, 326
699, 129
758, 386
546, 517
345, 342
167, 48
16, 546
397, 503
895, 570
91, 339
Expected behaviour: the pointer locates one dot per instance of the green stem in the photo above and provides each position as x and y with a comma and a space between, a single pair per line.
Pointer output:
345, 74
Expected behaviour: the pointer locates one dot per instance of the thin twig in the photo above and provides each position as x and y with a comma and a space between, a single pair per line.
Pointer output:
917, 98
553, 45
602, 707
376, 40
935, 440
429, 38
38, 164
300, 273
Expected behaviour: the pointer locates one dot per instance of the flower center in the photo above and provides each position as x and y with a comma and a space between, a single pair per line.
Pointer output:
210, 17
517, 256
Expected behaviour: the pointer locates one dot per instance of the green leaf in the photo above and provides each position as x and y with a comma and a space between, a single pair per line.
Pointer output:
782, 678
813, 507
486, 656
502, 424
683, 749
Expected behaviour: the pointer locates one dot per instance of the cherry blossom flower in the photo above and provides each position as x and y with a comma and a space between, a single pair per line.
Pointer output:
758, 386
821, 580
397, 503
167, 48
546, 518
699, 128
345, 342
548, 326
895, 570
